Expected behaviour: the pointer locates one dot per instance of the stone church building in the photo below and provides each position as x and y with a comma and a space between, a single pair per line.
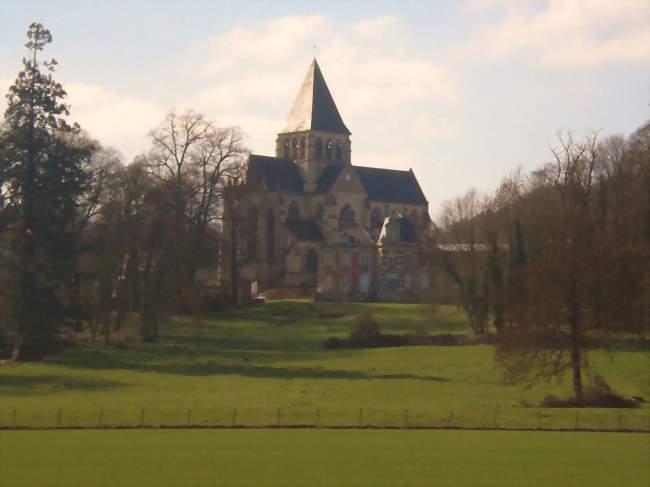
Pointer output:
309, 219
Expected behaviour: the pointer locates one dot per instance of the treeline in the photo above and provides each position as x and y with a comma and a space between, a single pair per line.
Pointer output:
557, 260
86, 239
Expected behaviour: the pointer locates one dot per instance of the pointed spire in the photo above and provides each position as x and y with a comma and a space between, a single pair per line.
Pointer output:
314, 107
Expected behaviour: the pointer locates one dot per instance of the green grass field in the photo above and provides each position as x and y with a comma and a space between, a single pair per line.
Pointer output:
270, 357
322, 458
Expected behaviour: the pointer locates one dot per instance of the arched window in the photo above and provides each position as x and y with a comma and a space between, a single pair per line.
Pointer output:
311, 262
286, 149
319, 149
303, 145
413, 220
251, 227
294, 213
294, 148
328, 149
270, 235
339, 152
346, 218
376, 219
407, 230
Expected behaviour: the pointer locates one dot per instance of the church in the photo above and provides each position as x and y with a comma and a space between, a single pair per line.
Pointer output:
310, 220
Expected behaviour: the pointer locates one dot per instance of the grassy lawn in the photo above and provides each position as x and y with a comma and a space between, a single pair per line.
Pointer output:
323, 458
270, 356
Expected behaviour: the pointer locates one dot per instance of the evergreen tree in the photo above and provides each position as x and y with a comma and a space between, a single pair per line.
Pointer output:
42, 161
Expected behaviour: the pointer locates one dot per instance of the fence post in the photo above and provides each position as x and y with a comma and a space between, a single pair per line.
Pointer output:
360, 416
234, 416
577, 420
100, 420
142, 417
189, 417
317, 416
277, 420
58, 418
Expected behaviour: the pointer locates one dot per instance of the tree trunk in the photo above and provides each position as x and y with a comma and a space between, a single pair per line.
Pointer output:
145, 317
576, 367
122, 304
133, 277
576, 332
76, 300
234, 265
107, 332
93, 326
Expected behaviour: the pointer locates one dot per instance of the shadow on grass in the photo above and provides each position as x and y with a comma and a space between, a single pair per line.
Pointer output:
18, 385
254, 341
632, 345
118, 361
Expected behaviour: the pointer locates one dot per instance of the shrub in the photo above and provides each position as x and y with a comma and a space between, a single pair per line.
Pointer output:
331, 313
213, 300
598, 395
420, 332
366, 334
365, 329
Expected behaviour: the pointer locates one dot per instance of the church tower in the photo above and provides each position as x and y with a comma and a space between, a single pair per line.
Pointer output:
314, 135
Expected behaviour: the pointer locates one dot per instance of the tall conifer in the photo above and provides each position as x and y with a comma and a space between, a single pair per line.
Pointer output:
42, 160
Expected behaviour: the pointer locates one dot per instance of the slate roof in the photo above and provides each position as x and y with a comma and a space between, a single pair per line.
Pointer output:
305, 230
314, 107
276, 173
391, 185
385, 185
328, 177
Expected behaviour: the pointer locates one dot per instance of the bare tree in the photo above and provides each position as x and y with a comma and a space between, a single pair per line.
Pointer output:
464, 254
193, 158
549, 331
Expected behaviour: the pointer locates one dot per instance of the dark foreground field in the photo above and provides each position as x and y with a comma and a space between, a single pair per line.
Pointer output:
322, 458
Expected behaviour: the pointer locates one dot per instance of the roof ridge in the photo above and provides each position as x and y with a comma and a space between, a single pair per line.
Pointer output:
381, 169
273, 158
391, 185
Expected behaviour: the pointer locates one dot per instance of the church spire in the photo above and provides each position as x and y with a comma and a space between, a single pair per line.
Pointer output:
314, 107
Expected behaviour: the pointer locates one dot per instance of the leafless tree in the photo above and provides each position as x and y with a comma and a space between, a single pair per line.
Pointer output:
551, 324
464, 255
193, 158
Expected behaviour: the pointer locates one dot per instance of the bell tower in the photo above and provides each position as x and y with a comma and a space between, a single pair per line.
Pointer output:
314, 135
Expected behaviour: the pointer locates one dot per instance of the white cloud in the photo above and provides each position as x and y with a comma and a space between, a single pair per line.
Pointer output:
376, 28
5, 83
114, 119
253, 45
565, 32
250, 74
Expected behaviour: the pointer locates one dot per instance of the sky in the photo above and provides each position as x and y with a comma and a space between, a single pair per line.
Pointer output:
461, 91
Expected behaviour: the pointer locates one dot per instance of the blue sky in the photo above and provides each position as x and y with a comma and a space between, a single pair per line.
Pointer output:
463, 92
